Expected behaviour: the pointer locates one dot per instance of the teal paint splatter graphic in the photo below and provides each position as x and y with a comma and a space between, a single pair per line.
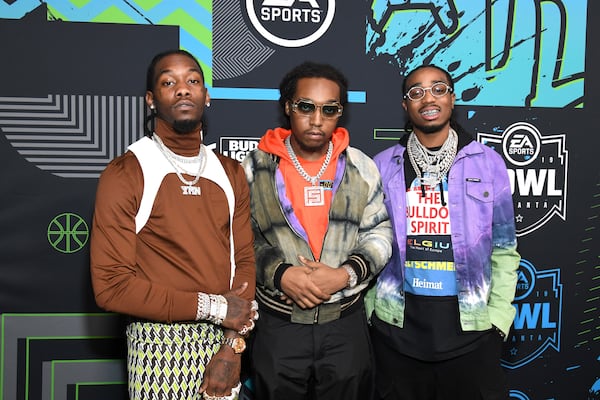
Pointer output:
501, 53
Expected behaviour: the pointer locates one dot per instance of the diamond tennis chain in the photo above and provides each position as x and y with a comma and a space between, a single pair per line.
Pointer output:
312, 179
432, 165
175, 159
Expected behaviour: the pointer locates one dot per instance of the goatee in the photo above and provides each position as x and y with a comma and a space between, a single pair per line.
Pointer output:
185, 126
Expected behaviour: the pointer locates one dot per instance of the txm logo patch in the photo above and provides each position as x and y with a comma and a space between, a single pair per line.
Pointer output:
291, 23
537, 168
536, 327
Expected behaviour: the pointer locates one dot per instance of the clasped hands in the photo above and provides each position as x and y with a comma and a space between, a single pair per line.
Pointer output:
311, 283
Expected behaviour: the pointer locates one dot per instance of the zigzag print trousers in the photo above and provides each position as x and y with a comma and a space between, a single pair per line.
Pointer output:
167, 361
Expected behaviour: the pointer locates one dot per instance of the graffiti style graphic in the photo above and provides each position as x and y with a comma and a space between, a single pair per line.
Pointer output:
485, 49
537, 168
594, 392
537, 324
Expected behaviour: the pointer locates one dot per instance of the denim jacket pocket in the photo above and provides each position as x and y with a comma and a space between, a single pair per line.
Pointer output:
481, 191
480, 202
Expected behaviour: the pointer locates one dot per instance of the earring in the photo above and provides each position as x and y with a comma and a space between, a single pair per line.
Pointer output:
201, 135
151, 117
208, 104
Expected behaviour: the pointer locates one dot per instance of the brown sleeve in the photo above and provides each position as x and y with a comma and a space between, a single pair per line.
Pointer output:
117, 287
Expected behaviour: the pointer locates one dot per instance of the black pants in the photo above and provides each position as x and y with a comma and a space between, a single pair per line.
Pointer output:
318, 362
473, 376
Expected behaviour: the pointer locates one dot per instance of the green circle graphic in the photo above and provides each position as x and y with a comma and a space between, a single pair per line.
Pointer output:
68, 233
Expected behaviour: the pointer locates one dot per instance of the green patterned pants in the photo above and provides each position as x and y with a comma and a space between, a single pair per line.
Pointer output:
167, 361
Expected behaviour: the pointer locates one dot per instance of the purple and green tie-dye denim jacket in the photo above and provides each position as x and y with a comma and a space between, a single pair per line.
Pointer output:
483, 239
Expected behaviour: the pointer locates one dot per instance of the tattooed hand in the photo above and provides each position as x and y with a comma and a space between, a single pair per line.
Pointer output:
222, 373
239, 310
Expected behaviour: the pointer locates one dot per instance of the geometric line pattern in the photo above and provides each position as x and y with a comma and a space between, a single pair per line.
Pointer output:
16, 327
225, 47
35, 353
192, 16
72, 136
236, 51
58, 374
168, 361
98, 390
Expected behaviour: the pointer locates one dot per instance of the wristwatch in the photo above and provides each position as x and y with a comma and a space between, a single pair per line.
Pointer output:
238, 344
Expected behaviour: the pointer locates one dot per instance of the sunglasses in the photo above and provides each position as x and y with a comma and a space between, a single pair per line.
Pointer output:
307, 108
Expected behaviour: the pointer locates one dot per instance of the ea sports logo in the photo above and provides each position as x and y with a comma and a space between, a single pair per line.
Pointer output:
521, 144
291, 23
537, 168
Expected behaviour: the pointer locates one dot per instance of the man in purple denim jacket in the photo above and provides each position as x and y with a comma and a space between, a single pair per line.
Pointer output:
441, 307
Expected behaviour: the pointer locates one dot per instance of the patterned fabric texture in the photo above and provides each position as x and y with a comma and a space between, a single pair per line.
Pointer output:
167, 361
358, 225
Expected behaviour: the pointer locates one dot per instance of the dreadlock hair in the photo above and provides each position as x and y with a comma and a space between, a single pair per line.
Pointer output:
151, 83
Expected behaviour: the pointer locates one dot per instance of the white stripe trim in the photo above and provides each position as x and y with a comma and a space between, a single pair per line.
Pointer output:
155, 167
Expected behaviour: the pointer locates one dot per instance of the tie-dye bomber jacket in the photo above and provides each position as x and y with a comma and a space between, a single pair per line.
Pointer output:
359, 232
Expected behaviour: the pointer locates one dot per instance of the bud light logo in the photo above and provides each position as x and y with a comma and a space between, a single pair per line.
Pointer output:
537, 324
238, 147
537, 168
291, 23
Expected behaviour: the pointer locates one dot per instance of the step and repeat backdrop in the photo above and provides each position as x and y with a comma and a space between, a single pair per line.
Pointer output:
71, 99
